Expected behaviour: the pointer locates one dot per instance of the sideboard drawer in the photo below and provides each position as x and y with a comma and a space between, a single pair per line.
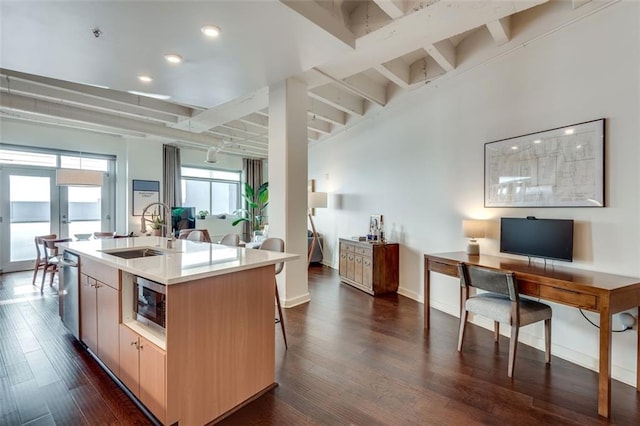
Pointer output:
365, 251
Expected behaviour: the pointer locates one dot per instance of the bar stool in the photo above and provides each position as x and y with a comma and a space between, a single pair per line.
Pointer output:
277, 244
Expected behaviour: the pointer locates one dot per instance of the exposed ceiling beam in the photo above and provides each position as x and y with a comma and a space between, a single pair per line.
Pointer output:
444, 53
232, 134
313, 135
500, 30
326, 112
39, 118
339, 98
256, 119
425, 70
577, 3
53, 93
245, 127
38, 106
113, 95
226, 112
323, 19
393, 8
431, 24
397, 71
318, 125
362, 86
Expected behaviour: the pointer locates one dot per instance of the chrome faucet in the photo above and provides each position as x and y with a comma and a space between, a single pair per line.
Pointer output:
167, 217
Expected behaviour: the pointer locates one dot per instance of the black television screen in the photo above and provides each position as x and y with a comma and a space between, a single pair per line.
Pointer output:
182, 218
546, 238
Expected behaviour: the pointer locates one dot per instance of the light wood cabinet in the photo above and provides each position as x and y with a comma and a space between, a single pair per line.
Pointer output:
143, 370
100, 311
372, 268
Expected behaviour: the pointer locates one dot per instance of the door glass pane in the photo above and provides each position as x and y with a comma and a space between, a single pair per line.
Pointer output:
85, 205
30, 213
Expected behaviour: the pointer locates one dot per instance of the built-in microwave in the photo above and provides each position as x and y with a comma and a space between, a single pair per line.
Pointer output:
150, 303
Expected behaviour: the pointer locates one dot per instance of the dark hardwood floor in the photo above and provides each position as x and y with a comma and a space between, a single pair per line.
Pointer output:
352, 360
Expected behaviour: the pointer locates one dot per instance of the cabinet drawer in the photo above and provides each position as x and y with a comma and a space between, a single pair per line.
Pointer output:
569, 297
365, 251
346, 247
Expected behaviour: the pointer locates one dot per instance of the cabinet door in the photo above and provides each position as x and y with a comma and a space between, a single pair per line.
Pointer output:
343, 262
152, 378
129, 369
108, 319
357, 273
351, 265
367, 272
88, 313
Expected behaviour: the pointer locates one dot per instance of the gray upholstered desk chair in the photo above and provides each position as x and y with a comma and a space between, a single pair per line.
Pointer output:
230, 240
277, 244
501, 304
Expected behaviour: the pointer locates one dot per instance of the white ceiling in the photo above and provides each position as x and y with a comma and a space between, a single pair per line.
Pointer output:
355, 56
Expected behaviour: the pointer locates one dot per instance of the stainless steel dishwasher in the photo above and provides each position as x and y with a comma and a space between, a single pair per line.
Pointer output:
69, 292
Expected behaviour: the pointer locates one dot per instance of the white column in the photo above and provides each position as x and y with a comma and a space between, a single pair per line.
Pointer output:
288, 150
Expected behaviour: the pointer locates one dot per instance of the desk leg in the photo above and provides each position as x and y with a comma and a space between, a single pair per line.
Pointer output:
604, 375
427, 301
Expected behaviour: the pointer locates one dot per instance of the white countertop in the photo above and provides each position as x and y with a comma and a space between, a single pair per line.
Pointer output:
186, 261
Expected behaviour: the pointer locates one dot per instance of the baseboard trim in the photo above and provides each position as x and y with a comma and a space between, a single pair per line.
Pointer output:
290, 303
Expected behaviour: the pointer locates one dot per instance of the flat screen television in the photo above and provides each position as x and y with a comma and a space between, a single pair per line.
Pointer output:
545, 238
182, 218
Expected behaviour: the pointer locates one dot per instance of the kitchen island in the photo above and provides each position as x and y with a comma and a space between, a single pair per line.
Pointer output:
217, 349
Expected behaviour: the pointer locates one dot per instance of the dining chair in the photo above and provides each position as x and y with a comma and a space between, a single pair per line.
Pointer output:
40, 258
198, 235
277, 244
502, 304
51, 258
230, 240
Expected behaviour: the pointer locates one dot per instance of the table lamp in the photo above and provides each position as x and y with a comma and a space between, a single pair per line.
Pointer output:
473, 229
315, 200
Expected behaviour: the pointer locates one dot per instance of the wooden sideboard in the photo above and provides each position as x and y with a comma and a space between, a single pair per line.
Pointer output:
370, 267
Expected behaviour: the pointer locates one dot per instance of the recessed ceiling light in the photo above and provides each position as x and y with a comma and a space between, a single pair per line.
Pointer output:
210, 31
145, 78
173, 58
569, 131
149, 95
537, 141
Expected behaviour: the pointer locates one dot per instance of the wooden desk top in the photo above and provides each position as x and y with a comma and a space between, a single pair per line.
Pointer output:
561, 276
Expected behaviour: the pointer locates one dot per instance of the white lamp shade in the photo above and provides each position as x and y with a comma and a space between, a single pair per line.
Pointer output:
212, 155
317, 200
473, 228
79, 177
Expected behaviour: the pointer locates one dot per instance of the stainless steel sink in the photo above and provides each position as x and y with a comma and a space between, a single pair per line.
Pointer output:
134, 253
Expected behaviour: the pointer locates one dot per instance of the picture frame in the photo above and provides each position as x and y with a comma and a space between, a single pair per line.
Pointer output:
561, 167
374, 222
144, 192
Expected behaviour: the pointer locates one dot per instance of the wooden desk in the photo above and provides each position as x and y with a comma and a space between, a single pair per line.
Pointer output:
606, 294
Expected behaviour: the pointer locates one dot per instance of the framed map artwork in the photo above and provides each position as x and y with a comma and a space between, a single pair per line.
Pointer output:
561, 167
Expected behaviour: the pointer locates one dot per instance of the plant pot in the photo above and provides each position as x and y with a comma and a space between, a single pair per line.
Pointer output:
156, 232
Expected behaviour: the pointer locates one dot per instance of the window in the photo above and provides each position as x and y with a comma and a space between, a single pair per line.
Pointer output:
217, 191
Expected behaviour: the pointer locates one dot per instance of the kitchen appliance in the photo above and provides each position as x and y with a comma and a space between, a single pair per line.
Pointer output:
150, 303
69, 292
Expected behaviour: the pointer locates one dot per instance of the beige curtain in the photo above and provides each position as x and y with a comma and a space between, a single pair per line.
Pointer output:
172, 193
252, 174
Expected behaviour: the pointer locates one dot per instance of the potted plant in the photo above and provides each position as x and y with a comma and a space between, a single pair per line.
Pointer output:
202, 214
157, 223
256, 203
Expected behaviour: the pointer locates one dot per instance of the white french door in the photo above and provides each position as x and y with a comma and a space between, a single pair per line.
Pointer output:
31, 204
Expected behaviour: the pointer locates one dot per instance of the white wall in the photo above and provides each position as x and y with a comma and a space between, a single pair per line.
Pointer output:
420, 163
